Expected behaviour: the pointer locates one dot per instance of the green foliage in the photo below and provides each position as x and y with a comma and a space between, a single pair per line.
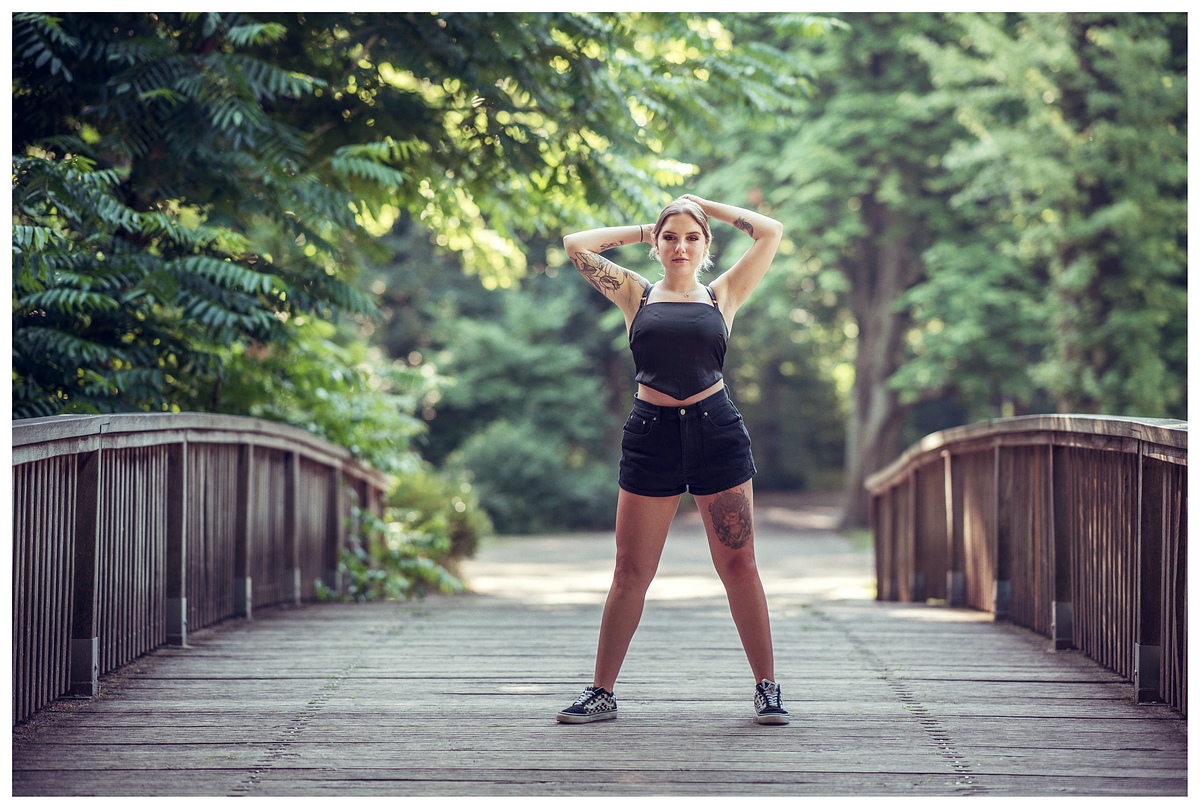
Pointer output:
390, 559
540, 354
785, 351
333, 386
522, 366
1072, 186
996, 205
187, 182
980, 324
526, 415
434, 504
986, 214
141, 159
503, 125
532, 480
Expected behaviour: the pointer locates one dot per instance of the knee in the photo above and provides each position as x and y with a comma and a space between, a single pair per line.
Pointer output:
738, 567
632, 576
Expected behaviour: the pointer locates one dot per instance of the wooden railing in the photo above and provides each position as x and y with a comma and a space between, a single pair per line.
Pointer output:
131, 529
1072, 526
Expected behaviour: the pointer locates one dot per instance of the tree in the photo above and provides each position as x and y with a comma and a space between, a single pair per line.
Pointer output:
789, 353
519, 124
781, 369
850, 179
1065, 284
184, 182
520, 410
144, 160
998, 200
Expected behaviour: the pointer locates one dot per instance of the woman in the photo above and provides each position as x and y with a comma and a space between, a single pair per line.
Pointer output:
684, 433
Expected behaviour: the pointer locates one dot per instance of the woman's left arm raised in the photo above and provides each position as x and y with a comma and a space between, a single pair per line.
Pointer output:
734, 285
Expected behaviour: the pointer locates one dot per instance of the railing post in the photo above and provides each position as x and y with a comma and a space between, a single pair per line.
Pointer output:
177, 540
335, 530
291, 524
243, 585
1002, 529
1061, 620
1174, 583
916, 577
885, 564
877, 541
956, 582
372, 498
1151, 532
85, 634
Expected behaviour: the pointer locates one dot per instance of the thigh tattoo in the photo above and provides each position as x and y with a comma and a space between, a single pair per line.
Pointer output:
731, 519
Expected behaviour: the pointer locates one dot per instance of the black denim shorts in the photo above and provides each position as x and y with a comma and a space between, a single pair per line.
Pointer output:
702, 448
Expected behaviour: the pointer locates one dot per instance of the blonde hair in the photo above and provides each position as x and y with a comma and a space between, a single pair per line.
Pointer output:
689, 208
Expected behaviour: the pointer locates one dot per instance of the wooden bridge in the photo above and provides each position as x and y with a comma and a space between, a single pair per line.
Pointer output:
456, 695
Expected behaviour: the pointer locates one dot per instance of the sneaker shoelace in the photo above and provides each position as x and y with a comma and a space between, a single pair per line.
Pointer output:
587, 695
771, 695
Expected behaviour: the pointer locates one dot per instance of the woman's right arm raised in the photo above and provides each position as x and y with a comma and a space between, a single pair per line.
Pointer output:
621, 286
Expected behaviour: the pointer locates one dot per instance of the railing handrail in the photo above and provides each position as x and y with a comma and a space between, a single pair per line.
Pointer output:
51, 436
1169, 434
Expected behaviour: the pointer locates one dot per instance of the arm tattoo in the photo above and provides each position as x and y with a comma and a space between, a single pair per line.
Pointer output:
598, 271
742, 224
610, 246
732, 522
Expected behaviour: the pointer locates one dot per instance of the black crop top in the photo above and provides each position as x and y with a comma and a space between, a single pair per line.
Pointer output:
678, 348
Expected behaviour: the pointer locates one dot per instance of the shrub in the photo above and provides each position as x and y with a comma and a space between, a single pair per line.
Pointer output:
436, 504
531, 481
388, 558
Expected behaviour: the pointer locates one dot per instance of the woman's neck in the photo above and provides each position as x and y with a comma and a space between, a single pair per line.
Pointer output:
682, 284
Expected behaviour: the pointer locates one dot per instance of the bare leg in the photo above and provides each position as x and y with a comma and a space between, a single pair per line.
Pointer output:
728, 519
642, 524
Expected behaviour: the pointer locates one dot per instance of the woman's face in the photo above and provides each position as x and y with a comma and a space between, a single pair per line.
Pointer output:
681, 243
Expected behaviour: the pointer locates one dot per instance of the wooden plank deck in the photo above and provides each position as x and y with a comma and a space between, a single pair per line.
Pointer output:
457, 696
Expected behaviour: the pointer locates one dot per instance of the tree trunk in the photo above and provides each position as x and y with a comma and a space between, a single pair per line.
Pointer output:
883, 269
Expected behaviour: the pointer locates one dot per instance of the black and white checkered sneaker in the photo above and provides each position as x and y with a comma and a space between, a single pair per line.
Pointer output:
768, 704
594, 704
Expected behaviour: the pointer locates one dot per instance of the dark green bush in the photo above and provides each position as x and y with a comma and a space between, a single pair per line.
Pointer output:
388, 558
438, 505
530, 480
